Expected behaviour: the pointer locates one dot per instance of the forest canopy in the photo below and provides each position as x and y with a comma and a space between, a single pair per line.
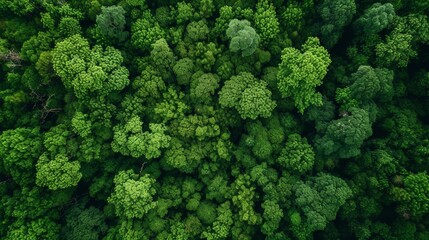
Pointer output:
214, 119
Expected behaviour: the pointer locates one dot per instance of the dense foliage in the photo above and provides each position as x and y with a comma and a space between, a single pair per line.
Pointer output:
214, 119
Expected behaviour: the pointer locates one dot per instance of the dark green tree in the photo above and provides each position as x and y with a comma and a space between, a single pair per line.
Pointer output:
344, 136
376, 18
111, 22
335, 14
319, 199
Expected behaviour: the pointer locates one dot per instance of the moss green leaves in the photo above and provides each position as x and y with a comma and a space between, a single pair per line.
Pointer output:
183, 69
203, 87
197, 30
221, 226
162, 57
243, 200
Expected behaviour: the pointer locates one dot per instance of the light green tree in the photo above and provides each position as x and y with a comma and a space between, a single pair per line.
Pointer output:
133, 194
248, 95
300, 72
130, 140
57, 173
266, 22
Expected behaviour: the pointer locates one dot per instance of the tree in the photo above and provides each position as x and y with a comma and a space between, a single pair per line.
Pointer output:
197, 127
226, 14
397, 50
84, 223
368, 84
19, 150
344, 136
375, 18
292, 17
149, 85
145, 31
40, 228
258, 140
266, 22
133, 194
89, 72
69, 26
243, 199
404, 128
301, 72
33, 47
162, 57
81, 124
415, 25
413, 197
206, 8
247, 95
185, 12
111, 22
335, 14
297, 155
206, 212
256, 101
197, 30
130, 140
243, 37
184, 69
19, 7
206, 54
57, 173
221, 227
204, 87
320, 198
171, 107
135, 3
69, 57
272, 217
44, 66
